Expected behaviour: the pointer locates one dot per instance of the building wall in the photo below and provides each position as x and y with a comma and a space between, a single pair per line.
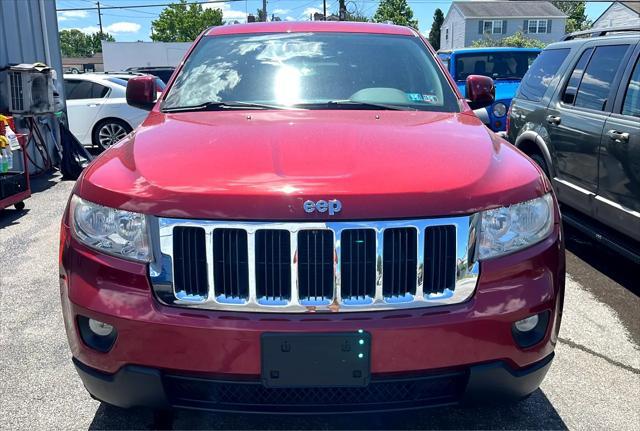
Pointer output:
454, 22
617, 15
119, 56
514, 25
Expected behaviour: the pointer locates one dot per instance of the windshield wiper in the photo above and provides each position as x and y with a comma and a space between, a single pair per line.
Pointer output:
353, 104
221, 106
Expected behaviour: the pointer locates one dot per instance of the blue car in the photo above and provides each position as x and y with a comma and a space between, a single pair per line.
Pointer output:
506, 66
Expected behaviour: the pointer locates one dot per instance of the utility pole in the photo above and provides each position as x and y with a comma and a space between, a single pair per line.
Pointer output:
99, 19
324, 4
264, 9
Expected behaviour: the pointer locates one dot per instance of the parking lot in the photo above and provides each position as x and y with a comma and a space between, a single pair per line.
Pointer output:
593, 384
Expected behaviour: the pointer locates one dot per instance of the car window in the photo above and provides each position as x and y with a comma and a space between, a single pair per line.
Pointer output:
571, 89
76, 89
497, 65
542, 71
631, 105
595, 86
290, 69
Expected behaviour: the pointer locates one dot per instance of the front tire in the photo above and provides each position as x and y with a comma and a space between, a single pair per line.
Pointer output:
108, 132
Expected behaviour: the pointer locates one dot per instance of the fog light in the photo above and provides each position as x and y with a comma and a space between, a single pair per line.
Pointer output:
100, 328
526, 325
531, 330
96, 334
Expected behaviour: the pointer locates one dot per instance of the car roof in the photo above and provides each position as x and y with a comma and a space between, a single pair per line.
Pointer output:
582, 40
488, 49
311, 26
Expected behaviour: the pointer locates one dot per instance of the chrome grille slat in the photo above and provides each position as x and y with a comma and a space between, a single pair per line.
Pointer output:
325, 284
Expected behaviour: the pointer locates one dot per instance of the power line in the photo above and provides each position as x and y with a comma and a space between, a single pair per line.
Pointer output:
138, 6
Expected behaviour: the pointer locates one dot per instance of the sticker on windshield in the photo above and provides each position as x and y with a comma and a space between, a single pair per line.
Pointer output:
430, 99
414, 97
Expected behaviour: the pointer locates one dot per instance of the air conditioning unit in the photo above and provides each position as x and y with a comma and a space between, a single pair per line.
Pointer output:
30, 90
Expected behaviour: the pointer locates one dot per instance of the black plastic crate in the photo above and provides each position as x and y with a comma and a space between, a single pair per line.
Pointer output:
12, 183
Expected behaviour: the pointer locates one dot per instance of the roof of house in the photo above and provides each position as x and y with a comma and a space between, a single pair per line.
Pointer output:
633, 5
508, 9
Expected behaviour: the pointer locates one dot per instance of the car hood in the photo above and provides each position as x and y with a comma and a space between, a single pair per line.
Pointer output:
505, 89
262, 165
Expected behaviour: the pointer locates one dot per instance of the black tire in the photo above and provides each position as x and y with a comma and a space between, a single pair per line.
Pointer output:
540, 161
19, 206
109, 131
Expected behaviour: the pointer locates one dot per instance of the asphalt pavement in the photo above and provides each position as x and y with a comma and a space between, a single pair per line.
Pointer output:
594, 382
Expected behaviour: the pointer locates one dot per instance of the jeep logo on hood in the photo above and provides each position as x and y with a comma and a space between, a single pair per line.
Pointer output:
333, 206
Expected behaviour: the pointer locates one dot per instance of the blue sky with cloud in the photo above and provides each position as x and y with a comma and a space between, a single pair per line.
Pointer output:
135, 24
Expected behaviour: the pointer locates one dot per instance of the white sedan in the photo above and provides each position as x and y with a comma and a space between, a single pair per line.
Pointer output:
97, 108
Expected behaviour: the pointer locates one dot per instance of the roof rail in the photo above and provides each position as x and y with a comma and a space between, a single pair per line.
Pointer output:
595, 32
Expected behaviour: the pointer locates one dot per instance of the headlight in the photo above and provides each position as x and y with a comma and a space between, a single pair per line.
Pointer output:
509, 229
116, 232
499, 109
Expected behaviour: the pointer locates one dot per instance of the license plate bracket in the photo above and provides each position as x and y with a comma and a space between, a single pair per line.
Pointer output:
338, 359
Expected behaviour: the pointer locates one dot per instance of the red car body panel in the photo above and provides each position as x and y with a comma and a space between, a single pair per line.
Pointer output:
230, 165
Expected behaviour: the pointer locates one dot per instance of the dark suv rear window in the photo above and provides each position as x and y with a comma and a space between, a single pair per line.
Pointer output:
542, 71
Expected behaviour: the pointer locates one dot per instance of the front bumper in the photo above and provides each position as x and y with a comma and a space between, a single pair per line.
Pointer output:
136, 386
159, 346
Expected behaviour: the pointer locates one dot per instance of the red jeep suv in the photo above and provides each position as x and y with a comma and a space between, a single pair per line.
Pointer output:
311, 219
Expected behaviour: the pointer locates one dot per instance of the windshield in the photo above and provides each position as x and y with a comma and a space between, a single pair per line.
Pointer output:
306, 70
496, 65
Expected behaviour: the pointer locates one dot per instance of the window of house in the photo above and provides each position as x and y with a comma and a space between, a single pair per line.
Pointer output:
537, 26
446, 34
595, 86
492, 26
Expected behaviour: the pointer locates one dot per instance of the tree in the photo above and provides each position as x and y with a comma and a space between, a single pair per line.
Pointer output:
74, 43
182, 22
356, 16
260, 16
577, 17
396, 11
517, 40
434, 33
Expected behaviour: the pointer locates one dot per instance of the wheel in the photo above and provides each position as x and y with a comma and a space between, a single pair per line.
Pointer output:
540, 161
108, 132
19, 206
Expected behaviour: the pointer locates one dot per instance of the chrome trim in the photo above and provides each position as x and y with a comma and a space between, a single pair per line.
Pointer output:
161, 269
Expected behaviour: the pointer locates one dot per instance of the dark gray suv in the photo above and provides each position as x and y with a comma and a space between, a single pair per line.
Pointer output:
577, 114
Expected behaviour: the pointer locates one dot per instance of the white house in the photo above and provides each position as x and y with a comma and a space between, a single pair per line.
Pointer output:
467, 21
619, 14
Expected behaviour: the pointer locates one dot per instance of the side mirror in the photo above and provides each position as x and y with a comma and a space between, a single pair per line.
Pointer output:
480, 91
141, 92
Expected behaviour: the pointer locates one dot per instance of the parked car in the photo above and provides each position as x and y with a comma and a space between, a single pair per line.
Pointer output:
577, 114
97, 108
506, 66
162, 72
311, 219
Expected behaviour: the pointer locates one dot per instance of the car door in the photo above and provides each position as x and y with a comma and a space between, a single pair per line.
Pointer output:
576, 117
618, 200
84, 101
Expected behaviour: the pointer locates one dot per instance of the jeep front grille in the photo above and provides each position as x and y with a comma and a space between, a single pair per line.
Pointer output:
314, 266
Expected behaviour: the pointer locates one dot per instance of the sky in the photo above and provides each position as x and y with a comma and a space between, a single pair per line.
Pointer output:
135, 24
